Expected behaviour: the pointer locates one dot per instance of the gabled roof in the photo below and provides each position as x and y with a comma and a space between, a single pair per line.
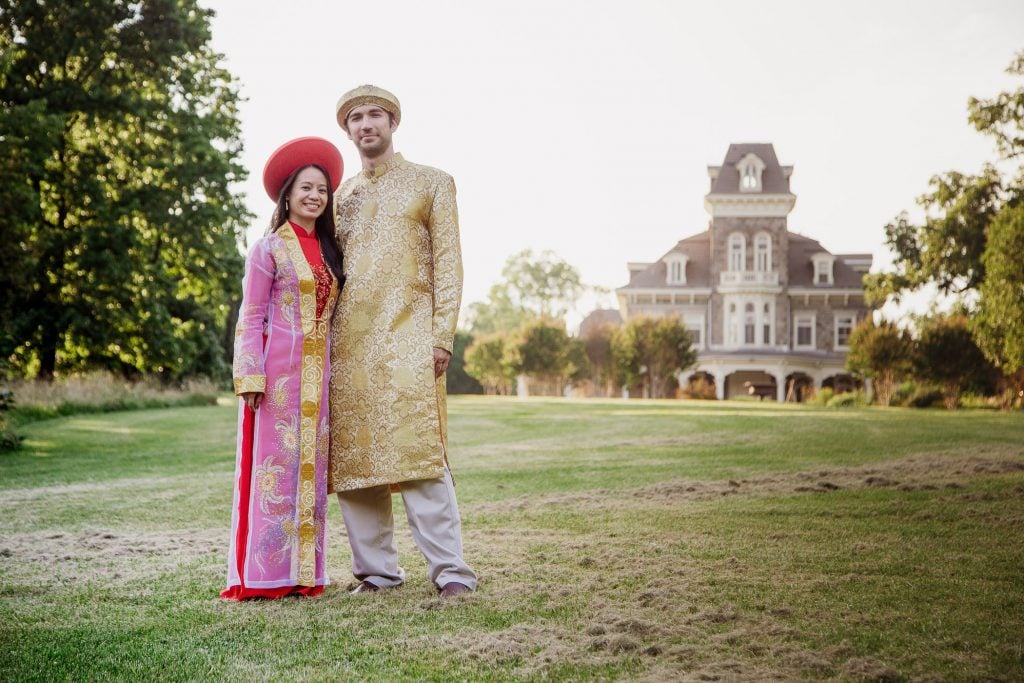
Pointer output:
774, 178
696, 248
801, 267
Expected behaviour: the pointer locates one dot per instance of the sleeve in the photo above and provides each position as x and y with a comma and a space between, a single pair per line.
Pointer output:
447, 257
248, 371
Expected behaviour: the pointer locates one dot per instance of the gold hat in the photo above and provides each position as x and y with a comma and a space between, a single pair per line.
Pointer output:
368, 94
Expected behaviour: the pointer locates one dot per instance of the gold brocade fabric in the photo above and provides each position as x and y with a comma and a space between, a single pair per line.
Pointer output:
399, 232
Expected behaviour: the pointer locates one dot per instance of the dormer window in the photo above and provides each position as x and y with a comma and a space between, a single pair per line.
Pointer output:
750, 169
823, 270
737, 252
675, 269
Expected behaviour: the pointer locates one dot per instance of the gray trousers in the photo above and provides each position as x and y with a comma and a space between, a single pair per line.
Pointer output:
434, 521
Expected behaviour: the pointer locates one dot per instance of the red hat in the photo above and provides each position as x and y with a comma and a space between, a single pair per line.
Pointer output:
297, 153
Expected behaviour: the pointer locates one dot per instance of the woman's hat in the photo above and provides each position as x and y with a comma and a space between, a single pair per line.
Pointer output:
297, 153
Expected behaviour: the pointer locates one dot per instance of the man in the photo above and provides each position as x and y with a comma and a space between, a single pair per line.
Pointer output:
392, 339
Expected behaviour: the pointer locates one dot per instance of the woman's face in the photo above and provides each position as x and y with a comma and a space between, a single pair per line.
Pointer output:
308, 197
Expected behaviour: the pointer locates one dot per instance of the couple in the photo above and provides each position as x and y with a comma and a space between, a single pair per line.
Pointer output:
347, 398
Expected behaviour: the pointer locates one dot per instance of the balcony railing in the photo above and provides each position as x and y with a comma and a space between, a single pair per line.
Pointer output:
749, 277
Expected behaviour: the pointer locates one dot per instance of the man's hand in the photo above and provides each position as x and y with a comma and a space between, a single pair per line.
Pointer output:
441, 359
253, 399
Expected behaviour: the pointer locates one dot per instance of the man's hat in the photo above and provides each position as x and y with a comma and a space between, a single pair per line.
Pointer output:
297, 153
368, 94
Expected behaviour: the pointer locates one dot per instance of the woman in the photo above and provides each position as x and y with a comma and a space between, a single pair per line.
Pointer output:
281, 372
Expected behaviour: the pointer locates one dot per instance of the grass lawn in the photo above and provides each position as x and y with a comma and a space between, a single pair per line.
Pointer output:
651, 540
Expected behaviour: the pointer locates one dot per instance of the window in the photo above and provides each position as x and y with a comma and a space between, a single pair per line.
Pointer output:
763, 253
823, 269
694, 334
749, 181
748, 325
737, 252
750, 168
675, 269
804, 325
844, 326
766, 324
731, 325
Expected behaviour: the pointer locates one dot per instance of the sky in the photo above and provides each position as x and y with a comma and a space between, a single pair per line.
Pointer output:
586, 127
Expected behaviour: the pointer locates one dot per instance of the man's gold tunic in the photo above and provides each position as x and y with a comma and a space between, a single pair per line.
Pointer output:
399, 232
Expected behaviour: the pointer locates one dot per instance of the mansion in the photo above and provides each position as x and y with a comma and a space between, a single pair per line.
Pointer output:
770, 311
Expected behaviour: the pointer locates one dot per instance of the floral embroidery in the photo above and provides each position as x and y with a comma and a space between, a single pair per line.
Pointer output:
266, 484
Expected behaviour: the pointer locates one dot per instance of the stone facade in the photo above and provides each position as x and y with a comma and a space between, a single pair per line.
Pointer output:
769, 309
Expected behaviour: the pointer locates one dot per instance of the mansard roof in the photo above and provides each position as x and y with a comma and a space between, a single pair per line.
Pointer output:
801, 266
774, 178
696, 248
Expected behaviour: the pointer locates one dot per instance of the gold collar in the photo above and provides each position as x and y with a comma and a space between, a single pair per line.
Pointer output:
391, 163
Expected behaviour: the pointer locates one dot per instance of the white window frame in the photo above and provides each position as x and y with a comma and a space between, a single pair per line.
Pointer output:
836, 317
750, 169
763, 252
695, 323
805, 316
675, 269
824, 265
737, 258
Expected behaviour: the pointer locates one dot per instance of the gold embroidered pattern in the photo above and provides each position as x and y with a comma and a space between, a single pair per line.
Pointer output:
398, 228
314, 349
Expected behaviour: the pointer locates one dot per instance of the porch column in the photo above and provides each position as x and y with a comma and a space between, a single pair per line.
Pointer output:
719, 385
780, 386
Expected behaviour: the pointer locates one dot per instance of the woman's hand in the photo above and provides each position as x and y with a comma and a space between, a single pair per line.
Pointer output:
253, 399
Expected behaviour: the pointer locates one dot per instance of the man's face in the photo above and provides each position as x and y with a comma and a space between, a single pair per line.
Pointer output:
370, 127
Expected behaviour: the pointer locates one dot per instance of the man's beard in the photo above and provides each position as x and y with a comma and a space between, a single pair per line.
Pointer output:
375, 149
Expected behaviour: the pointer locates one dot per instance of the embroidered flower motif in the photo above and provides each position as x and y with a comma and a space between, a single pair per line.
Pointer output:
266, 484
288, 433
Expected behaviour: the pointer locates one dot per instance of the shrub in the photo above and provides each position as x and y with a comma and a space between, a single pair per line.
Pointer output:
822, 396
904, 391
926, 397
849, 399
98, 392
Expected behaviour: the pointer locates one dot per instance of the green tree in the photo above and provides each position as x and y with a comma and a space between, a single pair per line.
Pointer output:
998, 325
882, 353
945, 354
487, 361
604, 370
532, 286
457, 380
542, 349
120, 148
969, 243
651, 352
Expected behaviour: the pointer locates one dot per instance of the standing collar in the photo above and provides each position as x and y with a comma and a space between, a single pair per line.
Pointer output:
393, 162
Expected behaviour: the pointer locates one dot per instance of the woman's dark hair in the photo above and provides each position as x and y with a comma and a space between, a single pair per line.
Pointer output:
329, 246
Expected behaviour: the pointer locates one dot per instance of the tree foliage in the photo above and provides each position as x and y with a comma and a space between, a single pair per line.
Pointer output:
457, 380
543, 349
120, 143
998, 324
487, 361
945, 354
947, 249
532, 286
604, 371
882, 353
651, 351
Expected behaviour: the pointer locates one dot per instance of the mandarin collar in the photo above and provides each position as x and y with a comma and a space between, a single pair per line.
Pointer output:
391, 163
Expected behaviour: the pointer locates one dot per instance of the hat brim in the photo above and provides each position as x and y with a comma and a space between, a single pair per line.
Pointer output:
297, 153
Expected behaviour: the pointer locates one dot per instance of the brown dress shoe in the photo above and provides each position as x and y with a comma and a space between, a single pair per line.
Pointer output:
454, 588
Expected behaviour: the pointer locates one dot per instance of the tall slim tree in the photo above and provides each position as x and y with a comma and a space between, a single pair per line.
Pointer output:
120, 139
882, 353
